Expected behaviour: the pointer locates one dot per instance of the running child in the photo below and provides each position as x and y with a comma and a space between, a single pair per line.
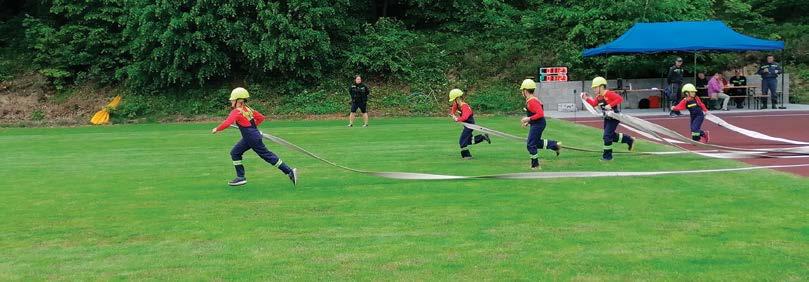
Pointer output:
697, 110
535, 118
467, 116
608, 100
248, 121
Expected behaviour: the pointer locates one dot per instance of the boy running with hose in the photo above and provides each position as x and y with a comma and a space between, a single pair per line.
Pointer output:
248, 121
535, 118
608, 100
458, 104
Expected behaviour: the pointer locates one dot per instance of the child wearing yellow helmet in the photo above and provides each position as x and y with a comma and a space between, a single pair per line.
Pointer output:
248, 121
608, 100
535, 119
697, 110
459, 106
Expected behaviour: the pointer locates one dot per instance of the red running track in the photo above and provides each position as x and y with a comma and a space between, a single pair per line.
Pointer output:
784, 124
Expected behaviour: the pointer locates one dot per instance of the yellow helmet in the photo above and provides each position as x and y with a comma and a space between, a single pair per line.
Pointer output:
528, 84
598, 81
689, 88
454, 94
239, 93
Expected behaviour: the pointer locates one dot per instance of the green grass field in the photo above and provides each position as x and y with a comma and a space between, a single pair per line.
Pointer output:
151, 202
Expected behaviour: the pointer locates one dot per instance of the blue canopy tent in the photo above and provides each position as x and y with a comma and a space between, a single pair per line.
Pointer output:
711, 36
686, 36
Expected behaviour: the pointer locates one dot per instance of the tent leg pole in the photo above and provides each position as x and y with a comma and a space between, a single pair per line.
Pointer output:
695, 67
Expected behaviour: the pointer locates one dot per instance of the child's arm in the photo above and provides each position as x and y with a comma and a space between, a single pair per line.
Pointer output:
701, 105
466, 112
535, 107
589, 99
230, 120
613, 99
258, 117
680, 106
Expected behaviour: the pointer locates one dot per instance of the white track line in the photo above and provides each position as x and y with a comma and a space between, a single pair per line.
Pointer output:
588, 119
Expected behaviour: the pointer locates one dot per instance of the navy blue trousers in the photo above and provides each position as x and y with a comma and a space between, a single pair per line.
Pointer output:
696, 126
535, 141
468, 138
251, 139
610, 136
769, 85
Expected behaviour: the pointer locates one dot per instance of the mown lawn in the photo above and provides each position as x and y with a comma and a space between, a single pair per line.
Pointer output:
151, 202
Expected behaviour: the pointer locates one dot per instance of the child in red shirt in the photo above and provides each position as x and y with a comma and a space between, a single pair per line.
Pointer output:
455, 96
248, 121
697, 110
535, 118
608, 101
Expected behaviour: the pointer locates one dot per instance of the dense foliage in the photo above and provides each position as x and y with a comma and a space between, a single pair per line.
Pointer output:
428, 46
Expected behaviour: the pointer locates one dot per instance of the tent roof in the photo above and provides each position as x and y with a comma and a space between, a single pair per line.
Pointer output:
683, 37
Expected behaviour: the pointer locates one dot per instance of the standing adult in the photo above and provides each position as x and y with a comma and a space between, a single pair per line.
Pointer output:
675, 82
359, 100
739, 79
769, 72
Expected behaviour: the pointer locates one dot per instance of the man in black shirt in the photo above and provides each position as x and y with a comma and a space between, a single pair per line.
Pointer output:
675, 82
702, 84
738, 80
359, 100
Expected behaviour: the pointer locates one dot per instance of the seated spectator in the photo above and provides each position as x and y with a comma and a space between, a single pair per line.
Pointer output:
715, 88
738, 80
702, 83
725, 82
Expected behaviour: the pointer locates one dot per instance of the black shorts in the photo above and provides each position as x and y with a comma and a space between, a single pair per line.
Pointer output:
359, 105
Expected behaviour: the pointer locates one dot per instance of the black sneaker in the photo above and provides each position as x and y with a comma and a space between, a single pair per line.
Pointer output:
238, 181
558, 148
486, 137
630, 144
293, 176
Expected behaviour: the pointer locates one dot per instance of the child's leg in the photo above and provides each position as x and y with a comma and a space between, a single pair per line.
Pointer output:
236, 155
609, 136
480, 138
465, 141
623, 138
268, 156
544, 143
696, 127
533, 144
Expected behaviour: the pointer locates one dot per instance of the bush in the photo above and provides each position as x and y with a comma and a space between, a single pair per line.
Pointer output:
81, 40
799, 84
497, 99
312, 102
384, 49
37, 115
56, 77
